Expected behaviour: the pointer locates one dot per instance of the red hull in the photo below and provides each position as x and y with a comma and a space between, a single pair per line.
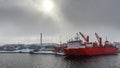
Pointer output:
90, 51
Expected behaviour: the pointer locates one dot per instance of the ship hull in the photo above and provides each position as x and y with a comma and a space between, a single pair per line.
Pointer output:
89, 51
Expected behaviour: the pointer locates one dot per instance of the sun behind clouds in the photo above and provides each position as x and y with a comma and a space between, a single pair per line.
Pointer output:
48, 5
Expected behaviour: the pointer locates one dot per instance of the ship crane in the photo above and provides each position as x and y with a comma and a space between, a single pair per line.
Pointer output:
99, 40
85, 38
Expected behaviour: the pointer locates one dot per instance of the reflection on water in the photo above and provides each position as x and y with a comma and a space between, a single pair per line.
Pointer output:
106, 61
50, 61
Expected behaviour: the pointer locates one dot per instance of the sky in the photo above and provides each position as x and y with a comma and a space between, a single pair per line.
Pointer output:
22, 21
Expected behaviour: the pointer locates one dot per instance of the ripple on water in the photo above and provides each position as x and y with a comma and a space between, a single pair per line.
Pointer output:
8, 60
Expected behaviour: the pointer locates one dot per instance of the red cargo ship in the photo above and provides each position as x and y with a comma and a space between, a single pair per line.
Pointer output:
87, 48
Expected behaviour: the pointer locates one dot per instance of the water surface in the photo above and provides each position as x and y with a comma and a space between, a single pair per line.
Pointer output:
18, 60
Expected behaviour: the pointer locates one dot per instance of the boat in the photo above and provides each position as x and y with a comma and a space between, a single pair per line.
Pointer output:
42, 52
79, 48
60, 53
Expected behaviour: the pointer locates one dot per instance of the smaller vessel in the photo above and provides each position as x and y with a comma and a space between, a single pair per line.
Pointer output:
80, 48
42, 52
59, 49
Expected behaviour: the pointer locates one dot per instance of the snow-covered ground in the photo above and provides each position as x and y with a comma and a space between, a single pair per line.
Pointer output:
29, 50
17, 51
25, 50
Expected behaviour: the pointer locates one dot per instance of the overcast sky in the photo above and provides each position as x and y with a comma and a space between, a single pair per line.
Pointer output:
21, 21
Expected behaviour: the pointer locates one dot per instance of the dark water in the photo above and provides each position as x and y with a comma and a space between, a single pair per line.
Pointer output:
8, 60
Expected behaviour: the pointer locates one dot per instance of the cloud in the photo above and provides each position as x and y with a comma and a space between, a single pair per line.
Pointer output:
90, 12
20, 18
